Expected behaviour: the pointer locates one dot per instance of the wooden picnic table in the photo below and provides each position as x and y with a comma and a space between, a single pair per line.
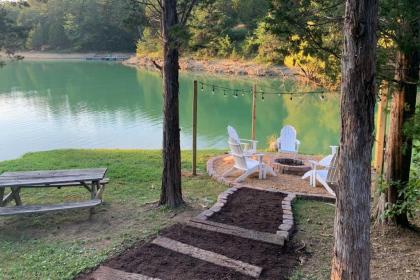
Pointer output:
91, 179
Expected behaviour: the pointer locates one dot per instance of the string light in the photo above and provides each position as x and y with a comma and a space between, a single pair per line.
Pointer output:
242, 91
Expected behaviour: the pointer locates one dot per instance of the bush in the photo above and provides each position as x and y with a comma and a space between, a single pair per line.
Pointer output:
263, 45
148, 43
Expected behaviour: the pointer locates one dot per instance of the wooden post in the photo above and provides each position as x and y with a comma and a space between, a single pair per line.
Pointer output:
254, 110
380, 129
194, 143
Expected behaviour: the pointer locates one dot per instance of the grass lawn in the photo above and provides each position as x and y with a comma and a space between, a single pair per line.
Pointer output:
61, 245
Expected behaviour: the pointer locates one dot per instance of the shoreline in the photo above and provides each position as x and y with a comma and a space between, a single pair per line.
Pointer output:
67, 56
216, 66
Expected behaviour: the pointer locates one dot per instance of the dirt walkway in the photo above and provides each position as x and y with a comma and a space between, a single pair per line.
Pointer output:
216, 247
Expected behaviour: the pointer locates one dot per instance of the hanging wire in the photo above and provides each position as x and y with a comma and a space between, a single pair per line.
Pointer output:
242, 91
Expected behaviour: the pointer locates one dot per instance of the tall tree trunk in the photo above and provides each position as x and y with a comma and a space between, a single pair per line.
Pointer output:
171, 194
399, 145
352, 221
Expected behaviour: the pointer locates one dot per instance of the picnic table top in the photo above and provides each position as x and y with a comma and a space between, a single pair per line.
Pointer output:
46, 177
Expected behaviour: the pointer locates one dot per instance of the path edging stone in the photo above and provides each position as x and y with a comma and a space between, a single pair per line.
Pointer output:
287, 226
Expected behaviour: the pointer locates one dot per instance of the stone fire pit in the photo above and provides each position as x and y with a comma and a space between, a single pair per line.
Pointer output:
290, 166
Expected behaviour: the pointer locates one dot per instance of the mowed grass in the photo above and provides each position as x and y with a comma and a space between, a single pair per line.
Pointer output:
315, 225
61, 245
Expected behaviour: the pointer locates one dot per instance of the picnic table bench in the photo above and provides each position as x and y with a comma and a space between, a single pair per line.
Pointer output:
91, 179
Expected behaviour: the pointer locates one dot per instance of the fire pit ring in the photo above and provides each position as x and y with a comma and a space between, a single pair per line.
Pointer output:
290, 166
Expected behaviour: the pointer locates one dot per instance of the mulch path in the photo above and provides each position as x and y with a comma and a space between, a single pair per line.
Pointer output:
155, 261
278, 262
252, 209
247, 208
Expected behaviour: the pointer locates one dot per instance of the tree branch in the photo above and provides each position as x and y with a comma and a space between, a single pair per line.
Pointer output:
187, 12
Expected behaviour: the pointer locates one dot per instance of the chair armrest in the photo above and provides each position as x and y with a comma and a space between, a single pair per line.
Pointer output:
252, 143
314, 163
260, 158
249, 140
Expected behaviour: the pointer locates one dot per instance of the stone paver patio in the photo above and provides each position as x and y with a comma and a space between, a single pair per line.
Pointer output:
283, 182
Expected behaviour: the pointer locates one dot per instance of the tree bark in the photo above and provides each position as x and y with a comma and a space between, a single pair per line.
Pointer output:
399, 145
352, 221
171, 194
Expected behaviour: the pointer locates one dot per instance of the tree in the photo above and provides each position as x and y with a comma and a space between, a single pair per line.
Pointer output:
311, 28
171, 193
311, 32
11, 35
173, 16
400, 23
358, 94
80, 25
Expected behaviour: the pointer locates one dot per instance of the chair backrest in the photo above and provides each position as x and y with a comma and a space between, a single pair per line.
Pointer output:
332, 175
238, 155
233, 135
287, 139
326, 161
333, 149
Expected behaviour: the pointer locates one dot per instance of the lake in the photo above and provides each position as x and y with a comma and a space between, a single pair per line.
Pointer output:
48, 105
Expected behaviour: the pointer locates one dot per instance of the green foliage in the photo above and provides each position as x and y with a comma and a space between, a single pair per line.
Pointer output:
265, 44
224, 46
36, 37
311, 34
408, 196
11, 34
226, 29
148, 43
398, 26
81, 25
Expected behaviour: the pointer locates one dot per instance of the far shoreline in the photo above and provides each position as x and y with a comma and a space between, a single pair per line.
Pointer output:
66, 56
228, 67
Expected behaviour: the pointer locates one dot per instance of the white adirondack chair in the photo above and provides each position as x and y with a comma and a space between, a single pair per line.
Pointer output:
248, 166
323, 171
287, 141
249, 147
319, 165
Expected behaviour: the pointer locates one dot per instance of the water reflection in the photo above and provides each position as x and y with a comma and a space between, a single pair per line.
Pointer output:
49, 105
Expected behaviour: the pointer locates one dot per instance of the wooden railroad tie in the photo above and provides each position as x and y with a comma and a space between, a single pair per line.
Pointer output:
208, 256
107, 273
266, 237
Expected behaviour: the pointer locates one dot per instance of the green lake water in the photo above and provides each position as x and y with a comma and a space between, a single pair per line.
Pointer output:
48, 105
